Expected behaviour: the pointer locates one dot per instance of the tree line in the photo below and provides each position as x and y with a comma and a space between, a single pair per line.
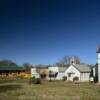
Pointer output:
63, 61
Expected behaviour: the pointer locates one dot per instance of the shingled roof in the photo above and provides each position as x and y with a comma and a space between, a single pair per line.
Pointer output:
83, 67
79, 67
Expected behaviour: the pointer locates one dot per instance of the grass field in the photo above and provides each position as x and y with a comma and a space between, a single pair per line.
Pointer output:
57, 90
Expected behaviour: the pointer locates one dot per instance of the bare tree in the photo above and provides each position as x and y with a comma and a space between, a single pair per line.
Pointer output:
77, 59
68, 60
27, 67
8, 62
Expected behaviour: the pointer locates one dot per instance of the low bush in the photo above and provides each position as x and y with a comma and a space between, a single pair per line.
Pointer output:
64, 78
95, 79
34, 80
37, 81
76, 79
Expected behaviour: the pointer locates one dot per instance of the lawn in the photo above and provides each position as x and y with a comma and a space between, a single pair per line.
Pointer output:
19, 89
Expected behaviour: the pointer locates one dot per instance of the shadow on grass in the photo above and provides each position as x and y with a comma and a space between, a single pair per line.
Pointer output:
9, 87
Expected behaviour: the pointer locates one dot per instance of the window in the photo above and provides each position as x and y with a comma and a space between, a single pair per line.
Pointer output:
69, 74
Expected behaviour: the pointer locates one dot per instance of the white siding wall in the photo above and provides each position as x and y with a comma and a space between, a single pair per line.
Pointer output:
53, 69
34, 73
98, 60
60, 75
84, 77
72, 69
94, 71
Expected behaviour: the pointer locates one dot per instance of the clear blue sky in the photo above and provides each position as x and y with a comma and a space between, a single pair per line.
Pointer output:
43, 31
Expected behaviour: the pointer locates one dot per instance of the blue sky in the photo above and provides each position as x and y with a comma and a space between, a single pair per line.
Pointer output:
43, 31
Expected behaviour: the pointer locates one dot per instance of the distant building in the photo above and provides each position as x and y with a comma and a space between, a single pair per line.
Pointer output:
34, 73
7, 70
81, 71
70, 71
39, 72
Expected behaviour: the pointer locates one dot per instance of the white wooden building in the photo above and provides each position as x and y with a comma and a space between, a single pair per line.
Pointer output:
79, 70
34, 73
82, 71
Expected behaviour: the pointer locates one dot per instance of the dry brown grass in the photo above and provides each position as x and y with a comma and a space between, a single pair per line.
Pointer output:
56, 90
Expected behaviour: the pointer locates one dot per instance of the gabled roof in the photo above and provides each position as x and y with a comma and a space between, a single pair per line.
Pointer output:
63, 65
83, 67
10, 68
79, 67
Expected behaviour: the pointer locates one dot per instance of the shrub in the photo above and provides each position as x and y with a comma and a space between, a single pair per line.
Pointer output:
64, 78
75, 79
32, 80
35, 80
96, 79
